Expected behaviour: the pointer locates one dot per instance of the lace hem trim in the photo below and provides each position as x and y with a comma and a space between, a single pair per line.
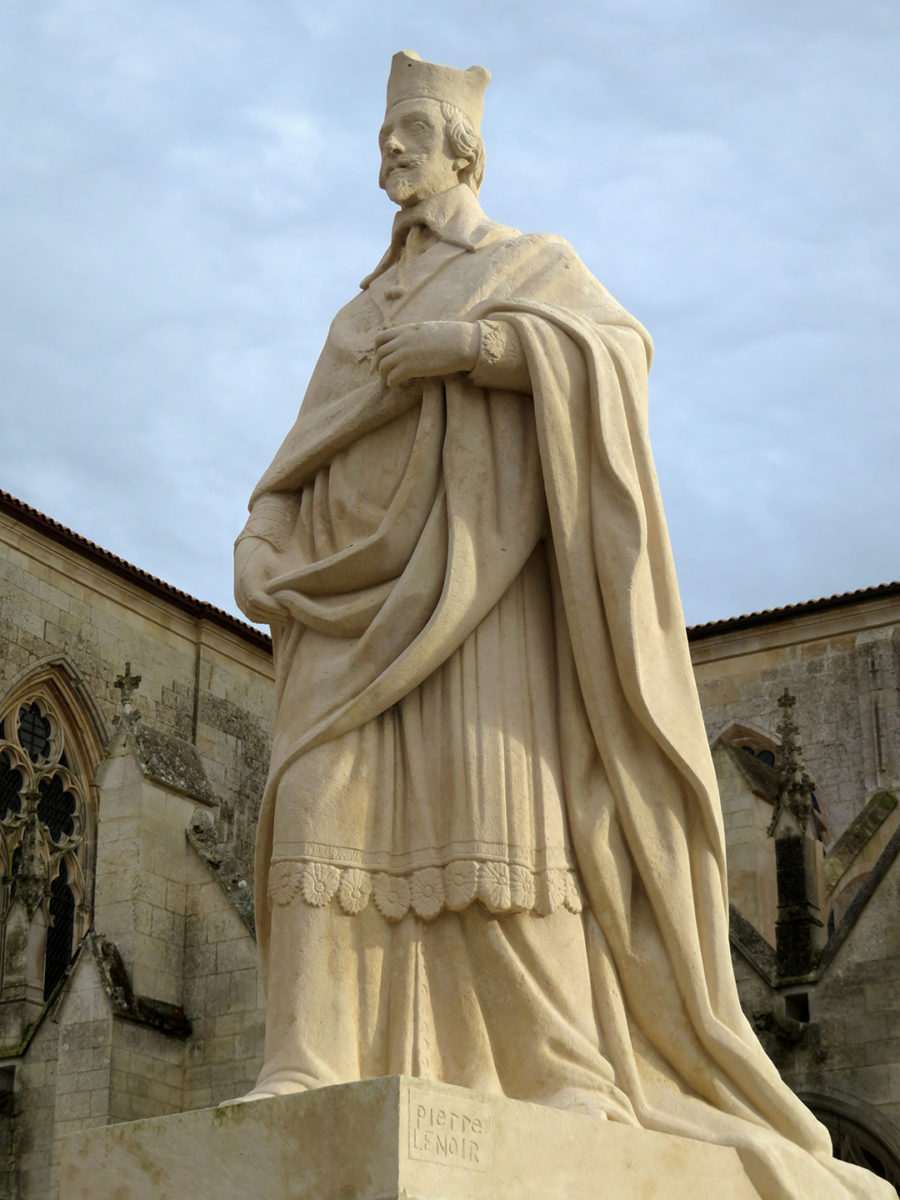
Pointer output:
501, 888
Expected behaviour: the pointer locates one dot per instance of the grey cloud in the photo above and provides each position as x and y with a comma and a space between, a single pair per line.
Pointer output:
190, 195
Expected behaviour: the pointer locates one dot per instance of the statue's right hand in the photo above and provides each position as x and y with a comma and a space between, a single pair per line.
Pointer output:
255, 563
425, 350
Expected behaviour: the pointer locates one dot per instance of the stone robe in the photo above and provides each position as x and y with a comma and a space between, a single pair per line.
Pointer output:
484, 693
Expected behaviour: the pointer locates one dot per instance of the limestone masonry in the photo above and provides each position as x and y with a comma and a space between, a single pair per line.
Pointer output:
154, 1006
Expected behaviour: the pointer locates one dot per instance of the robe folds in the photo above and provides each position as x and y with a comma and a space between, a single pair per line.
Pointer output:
406, 524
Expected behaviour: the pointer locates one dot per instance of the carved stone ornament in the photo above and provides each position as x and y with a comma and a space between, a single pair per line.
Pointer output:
491, 812
42, 803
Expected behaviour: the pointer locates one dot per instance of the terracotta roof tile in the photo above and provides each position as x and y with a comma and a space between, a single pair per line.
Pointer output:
200, 608
769, 615
125, 570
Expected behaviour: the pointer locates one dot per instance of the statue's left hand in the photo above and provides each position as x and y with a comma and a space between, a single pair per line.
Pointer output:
425, 350
255, 563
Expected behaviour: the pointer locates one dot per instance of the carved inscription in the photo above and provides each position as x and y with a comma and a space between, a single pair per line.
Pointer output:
459, 1135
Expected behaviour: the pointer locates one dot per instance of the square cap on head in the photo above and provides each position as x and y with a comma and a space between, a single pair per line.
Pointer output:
413, 79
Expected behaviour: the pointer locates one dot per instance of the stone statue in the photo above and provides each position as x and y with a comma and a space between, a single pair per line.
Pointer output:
491, 851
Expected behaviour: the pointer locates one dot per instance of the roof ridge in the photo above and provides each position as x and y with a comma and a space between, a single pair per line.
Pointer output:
200, 609
766, 615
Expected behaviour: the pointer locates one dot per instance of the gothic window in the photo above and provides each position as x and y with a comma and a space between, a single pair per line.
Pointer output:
45, 815
757, 745
765, 755
62, 926
853, 1142
56, 808
34, 732
753, 742
11, 784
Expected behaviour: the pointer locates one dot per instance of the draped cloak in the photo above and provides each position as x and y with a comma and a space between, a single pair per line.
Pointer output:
360, 628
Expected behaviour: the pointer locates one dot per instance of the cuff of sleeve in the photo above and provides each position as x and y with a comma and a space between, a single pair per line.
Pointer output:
501, 360
271, 519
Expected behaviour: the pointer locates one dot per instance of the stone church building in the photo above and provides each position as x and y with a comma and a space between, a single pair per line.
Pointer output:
133, 751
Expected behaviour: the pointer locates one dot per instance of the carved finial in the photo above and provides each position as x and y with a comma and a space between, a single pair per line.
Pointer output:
127, 720
128, 684
787, 730
795, 788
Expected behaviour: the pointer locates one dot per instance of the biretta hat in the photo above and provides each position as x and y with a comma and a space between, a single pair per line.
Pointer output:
413, 79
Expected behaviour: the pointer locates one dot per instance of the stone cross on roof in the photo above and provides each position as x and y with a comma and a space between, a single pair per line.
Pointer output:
127, 684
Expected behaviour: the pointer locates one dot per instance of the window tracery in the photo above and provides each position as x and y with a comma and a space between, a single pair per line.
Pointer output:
44, 819
753, 742
853, 1141
764, 749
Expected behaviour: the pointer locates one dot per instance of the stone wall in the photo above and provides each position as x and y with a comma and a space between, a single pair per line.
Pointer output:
223, 996
845, 1060
843, 665
206, 678
162, 1010
122, 1040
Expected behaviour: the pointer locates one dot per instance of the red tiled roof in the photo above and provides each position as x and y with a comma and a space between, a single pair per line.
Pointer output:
188, 604
199, 608
769, 615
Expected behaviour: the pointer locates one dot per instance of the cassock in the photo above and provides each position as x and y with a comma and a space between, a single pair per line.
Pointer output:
490, 850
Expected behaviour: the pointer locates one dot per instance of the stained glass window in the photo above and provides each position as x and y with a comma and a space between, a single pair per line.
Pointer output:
34, 732
44, 816
852, 1142
11, 783
56, 807
58, 954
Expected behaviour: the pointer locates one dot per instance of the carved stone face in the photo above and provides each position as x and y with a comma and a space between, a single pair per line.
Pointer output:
416, 159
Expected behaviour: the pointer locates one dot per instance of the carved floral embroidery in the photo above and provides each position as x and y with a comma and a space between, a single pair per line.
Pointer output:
554, 892
521, 889
428, 891
284, 882
354, 890
460, 883
493, 341
493, 886
319, 883
391, 894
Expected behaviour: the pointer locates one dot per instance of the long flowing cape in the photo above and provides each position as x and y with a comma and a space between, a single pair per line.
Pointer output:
644, 811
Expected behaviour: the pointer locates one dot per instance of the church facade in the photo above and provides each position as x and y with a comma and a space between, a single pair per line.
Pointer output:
133, 752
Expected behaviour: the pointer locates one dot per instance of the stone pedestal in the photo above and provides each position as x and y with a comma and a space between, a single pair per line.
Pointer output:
383, 1139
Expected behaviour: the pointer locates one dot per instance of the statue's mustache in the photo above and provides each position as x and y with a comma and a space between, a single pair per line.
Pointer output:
408, 160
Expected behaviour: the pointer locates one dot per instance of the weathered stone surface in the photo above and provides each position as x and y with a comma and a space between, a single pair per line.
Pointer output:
220, 858
490, 773
206, 688
858, 835
207, 684
143, 1010
842, 663
387, 1138
173, 762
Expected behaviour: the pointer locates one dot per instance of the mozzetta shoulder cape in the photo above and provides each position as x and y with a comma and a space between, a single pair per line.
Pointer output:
388, 610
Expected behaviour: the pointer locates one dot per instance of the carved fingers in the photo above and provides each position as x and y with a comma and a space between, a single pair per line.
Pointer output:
425, 350
254, 565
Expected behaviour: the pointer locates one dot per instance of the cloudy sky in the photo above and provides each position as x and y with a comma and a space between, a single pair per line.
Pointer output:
189, 193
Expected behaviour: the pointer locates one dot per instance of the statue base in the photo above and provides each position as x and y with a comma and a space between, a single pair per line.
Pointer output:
383, 1139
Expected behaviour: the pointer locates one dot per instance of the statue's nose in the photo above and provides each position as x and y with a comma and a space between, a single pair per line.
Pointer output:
392, 144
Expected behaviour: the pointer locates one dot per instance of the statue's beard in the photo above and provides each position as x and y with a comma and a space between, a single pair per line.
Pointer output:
403, 179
